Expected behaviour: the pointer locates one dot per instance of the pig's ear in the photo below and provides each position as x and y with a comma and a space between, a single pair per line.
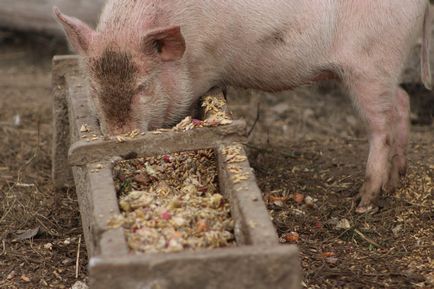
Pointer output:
77, 32
168, 43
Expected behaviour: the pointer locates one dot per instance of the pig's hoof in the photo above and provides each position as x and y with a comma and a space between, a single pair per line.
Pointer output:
371, 209
394, 178
403, 171
365, 205
391, 186
401, 162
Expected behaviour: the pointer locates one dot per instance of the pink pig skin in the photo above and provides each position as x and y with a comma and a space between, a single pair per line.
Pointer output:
149, 61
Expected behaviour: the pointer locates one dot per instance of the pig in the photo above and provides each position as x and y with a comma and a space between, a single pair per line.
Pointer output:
149, 61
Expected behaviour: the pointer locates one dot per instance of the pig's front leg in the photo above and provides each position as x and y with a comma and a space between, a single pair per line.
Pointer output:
377, 104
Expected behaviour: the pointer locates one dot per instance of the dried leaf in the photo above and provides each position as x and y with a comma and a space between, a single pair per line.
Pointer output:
48, 246
396, 230
84, 128
25, 234
332, 260
298, 198
328, 254
343, 224
292, 237
25, 278
11, 275
278, 203
79, 285
309, 201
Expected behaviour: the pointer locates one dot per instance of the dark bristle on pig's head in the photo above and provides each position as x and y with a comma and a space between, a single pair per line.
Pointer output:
115, 75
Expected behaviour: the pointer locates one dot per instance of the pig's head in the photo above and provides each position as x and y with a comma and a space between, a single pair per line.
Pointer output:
136, 80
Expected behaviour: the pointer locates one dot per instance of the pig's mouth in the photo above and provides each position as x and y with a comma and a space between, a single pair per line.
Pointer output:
174, 114
114, 131
165, 123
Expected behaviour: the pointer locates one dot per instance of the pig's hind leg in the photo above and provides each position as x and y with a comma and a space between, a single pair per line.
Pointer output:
400, 128
375, 97
402, 131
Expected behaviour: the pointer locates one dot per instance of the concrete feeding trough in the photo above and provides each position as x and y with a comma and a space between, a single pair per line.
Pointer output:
257, 260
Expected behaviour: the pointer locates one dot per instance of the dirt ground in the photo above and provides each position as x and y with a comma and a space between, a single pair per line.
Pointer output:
308, 150
39, 227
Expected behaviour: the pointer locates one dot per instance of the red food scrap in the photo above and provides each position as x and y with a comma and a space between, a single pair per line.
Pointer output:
166, 215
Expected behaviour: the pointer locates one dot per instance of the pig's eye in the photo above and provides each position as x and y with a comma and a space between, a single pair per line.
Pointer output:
141, 87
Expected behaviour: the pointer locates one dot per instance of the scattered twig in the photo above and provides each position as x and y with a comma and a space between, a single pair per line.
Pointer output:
27, 163
78, 258
4, 247
26, 259
370, 241
8, 211
337, 237
23, 185
416, 205
351, 209
46, 229
279, 151
54, 231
